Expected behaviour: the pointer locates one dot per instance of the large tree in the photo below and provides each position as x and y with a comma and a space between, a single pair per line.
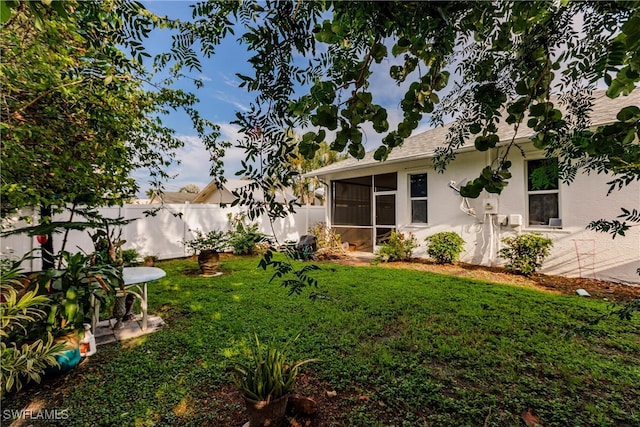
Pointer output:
478, 62
80, 112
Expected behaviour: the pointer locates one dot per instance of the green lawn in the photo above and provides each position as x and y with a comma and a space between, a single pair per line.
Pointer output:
401, 348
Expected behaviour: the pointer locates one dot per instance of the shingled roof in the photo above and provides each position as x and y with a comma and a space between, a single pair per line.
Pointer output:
172, 197
424, 144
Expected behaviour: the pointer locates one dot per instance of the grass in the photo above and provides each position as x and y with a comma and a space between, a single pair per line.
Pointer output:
400, 347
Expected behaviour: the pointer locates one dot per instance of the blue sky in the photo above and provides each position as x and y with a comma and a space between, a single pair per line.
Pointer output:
220, 98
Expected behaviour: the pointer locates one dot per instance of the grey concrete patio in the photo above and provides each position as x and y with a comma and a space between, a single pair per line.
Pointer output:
105, 333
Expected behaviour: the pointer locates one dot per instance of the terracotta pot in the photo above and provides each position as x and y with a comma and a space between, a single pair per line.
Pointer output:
263, 413
208, 261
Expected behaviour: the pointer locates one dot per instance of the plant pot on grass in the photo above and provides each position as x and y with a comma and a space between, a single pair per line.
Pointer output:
266, 413
208, 247
150, 260
209, 260
265, 382
69, 357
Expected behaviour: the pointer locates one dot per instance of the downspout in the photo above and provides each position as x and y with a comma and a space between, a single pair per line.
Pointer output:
491, 217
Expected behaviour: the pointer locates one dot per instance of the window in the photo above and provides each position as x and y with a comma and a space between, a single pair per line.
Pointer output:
418, 197
543, 192
386, 182
352, 202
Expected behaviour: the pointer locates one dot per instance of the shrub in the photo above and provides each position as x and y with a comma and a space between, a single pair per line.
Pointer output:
26, 349
214, 240
398, 248
129, 257
329, 244
525, 253
445, 247
244, 237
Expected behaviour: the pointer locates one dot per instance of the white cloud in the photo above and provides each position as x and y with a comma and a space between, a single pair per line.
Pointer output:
204, 78
195, 161
225, 97
230, 80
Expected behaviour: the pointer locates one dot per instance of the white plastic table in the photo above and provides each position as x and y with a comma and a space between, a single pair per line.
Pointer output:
134, 277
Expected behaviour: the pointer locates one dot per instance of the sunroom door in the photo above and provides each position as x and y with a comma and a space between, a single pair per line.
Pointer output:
385, 189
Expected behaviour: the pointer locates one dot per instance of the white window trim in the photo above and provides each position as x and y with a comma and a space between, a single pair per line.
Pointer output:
411, 199
541, 227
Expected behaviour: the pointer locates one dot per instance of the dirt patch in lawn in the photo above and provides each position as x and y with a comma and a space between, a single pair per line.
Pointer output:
558, 284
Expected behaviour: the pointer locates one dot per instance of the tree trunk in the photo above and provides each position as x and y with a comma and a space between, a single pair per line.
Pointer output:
47, 247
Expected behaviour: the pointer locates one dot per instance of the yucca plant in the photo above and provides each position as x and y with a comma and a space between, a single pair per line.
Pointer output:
268, 375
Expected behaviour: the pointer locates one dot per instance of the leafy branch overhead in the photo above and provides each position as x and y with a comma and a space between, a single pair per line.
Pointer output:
486, 64
616, 227
300, 278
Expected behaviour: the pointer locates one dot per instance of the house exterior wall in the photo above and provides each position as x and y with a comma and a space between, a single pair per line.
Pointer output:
577, 252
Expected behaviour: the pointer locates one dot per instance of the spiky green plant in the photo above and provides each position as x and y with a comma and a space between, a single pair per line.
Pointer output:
268, 375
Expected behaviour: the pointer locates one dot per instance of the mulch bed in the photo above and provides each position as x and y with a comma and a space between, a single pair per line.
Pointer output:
615, 292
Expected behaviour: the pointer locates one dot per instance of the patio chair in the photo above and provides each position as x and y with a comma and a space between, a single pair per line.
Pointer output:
305, 248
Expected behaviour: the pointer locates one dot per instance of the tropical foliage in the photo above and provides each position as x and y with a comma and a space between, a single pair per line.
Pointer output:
24, 357
72, 288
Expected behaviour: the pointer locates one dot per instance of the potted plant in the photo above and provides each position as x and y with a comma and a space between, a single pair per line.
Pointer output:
265, 382
150, 260
73, 289
208, 247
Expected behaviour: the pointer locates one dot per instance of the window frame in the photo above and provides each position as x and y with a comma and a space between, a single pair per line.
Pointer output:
529, 193
335, 198
418, 198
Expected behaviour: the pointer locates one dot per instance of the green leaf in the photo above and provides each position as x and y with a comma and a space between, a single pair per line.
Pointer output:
379, 52
381, 153
471, 190
5, 11
628, 114
326, 116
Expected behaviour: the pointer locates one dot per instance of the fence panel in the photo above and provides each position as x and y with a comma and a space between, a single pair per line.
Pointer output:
162, 235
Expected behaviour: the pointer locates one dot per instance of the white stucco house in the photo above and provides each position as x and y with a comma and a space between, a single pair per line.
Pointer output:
366, 199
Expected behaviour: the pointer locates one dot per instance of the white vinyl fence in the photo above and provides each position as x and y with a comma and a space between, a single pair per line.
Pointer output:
162, 235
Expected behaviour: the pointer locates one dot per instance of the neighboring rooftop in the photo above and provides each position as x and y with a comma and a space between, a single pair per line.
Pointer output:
169, 197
